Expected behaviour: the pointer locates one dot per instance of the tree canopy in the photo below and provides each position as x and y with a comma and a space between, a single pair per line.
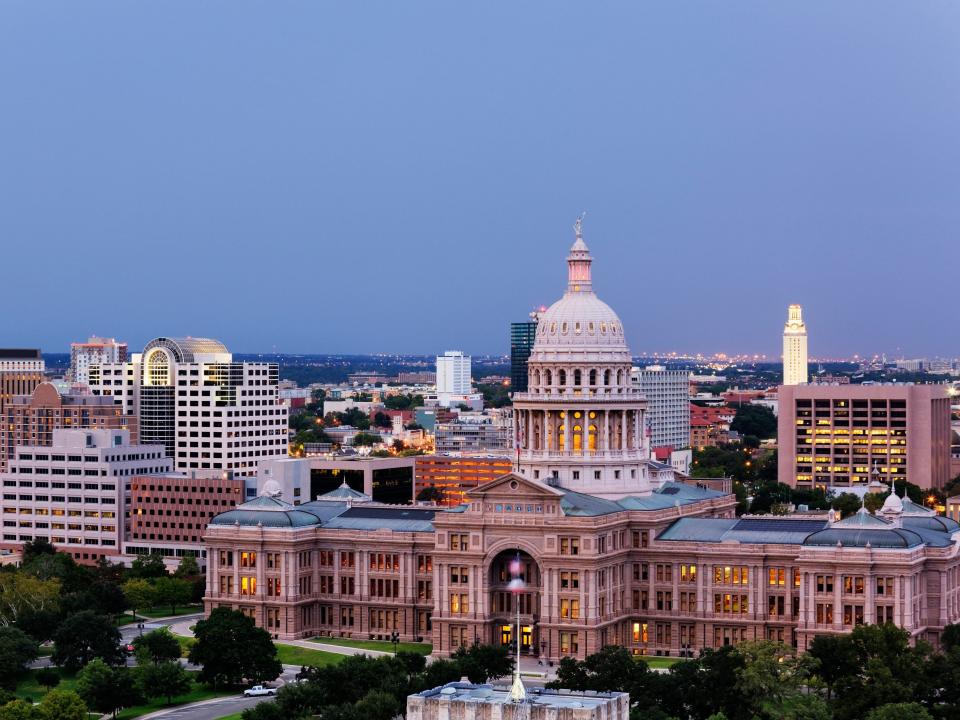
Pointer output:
231, 649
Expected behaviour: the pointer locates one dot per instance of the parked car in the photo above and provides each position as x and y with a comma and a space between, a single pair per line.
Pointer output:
258, 690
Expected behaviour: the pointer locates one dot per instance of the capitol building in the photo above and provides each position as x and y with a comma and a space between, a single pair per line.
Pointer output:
614, 547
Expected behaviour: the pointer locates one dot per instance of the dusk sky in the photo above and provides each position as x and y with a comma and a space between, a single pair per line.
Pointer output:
404, 176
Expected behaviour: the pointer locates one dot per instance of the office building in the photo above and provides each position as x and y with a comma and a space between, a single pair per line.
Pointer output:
454, 475
794, 347
168, 513
668, 411
847, 435
209, 412
522, 337
75, 492
473, 433
21, 370
32, 419
453, 377
95, 351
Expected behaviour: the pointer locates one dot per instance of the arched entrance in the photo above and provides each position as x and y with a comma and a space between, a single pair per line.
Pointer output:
503, 603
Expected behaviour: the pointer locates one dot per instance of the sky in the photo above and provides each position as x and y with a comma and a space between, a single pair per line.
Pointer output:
360, 177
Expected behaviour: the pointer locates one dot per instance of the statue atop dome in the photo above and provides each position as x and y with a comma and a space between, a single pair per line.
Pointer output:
578, 225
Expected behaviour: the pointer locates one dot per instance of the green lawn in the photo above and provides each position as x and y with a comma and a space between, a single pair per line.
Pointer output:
234, 716
157, 612
185, 644
199, 692
659, 662
28, 687
381, 645
45, 650
294, 655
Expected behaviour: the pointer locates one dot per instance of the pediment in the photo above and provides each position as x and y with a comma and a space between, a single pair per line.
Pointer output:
514, 486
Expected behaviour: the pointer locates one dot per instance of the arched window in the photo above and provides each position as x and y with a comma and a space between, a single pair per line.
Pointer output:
562, 377
606, 377
576, 377
593, 377
549, 377
536, 377
619, 377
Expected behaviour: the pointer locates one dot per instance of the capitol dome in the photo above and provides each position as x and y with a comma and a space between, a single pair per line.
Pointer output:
580, 323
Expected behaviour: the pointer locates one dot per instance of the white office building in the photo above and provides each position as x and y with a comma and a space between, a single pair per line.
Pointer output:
453, 376
209, 412
75, 493
95, 351
668, 411
794, 347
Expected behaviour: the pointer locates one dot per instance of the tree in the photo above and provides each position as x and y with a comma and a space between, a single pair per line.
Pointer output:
899, 711
231, 648
107, 598
107, 689
836, 659
62, 705
17, 650
483, 662
156, 647
47, 676
19, 710
430, 493
172, 591
140, 594
35, 548
188, 567
382, 420
167, 679
846, 503
378, 705
148, 566
85, 636
756, 420
21, 594
772, 678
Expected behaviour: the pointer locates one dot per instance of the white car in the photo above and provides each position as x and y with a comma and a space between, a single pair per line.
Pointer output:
258, 690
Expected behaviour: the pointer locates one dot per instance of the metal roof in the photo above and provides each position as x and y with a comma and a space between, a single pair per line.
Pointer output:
775, 531
185, 348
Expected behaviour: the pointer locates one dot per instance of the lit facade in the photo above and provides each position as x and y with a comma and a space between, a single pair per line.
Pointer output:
581, 424
455, 475
847, 435
95, 351
21, 370
209, 412
75, 492
794, 347
31, 419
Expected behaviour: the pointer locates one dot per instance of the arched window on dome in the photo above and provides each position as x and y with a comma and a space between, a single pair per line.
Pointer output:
562, 378
592, 438
593, 377
561, 438
606, 377
536, 378
577, 438
576, 377
619, 377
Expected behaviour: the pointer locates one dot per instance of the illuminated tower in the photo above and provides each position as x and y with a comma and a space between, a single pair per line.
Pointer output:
794, 347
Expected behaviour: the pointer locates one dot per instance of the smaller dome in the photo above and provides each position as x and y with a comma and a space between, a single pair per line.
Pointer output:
892, 505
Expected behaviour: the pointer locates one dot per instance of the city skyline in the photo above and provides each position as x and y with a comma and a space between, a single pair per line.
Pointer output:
301, 166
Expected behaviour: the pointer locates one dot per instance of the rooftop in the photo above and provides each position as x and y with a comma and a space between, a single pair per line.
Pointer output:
497, 695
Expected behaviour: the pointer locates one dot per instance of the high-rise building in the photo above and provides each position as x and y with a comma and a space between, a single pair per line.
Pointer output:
794, 347
848, 435
668, 410
209, 412
453, 374
95, 351
473, 433
32, 419
75, 491
21, 370
454, 475
522, 337
581, 424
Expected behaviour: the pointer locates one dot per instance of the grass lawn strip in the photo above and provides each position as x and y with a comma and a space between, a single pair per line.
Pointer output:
295, 655
380, 645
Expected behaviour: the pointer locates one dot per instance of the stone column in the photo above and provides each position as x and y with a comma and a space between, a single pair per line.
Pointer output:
623, 430
567, 450
868, 610
213, 579
585, 433
837, 602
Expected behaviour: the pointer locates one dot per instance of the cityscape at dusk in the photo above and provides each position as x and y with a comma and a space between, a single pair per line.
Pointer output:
421, 361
